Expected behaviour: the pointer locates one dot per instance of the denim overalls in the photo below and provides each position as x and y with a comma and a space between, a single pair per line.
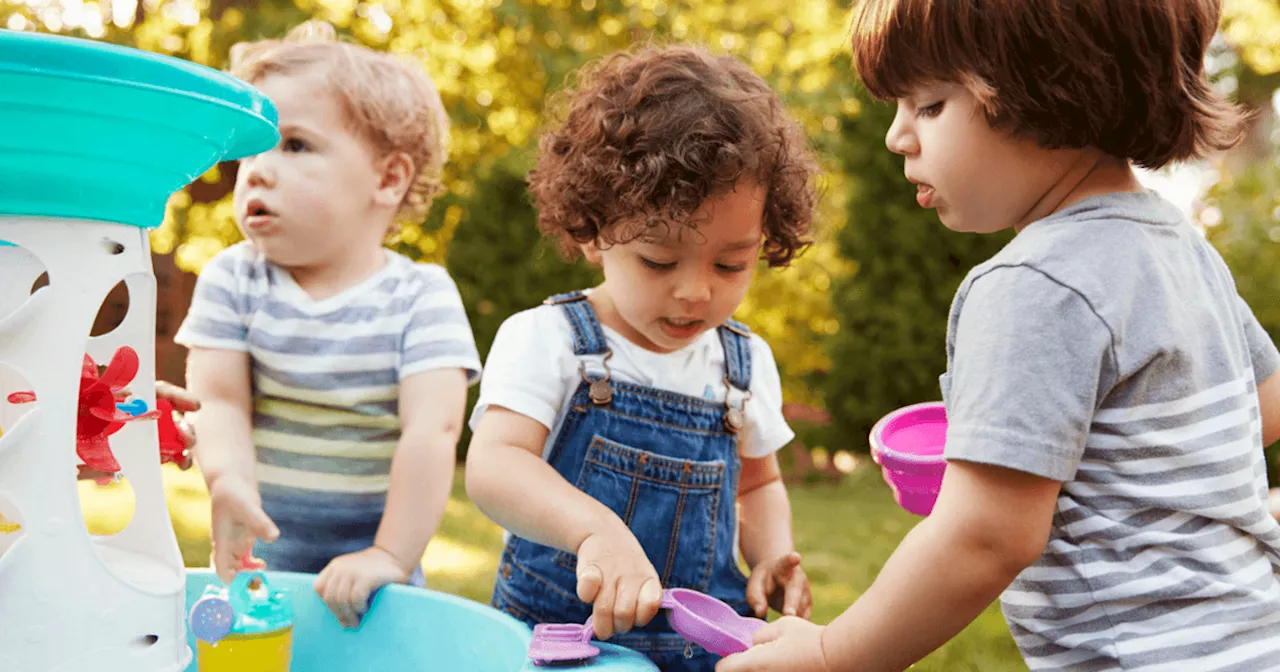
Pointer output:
668, 465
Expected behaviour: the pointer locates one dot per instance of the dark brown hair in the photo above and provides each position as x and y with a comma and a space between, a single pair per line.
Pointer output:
649, 134
1124, 76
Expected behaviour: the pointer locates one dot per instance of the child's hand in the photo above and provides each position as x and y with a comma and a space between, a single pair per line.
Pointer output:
781, 584
184, 403
617, 578
238, 520
788, 645
348, 581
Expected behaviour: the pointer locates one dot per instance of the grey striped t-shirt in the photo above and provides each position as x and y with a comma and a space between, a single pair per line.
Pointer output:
1106, 347
326, 373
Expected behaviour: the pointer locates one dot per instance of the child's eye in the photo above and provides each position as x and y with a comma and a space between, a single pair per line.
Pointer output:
930, 110
657, 266
295, 145
731, 268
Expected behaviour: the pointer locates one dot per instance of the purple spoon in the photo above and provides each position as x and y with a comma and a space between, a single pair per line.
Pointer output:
709, 622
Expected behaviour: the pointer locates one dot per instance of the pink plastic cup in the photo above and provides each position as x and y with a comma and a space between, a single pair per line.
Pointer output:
907, 444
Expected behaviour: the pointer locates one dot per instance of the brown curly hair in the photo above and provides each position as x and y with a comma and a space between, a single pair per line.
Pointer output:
388, 99
650, 134
1123, 76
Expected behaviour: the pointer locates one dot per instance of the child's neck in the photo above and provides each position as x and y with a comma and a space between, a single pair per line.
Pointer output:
1091, 174
322, 281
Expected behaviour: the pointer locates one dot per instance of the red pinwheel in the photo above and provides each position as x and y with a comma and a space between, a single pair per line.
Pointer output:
98, 417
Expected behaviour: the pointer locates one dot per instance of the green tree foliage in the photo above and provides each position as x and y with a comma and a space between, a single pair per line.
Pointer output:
496, 62
890, 348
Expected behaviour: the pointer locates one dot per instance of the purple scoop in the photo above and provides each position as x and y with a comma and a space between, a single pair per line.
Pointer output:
699, 618
908, 445
709, 622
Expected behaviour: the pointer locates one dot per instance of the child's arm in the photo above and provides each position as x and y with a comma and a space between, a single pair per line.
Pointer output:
220, 379
432, 404
989, 524
511, 483
1269, 399
767, 543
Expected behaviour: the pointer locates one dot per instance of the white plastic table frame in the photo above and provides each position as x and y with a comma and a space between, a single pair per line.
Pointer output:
72, 601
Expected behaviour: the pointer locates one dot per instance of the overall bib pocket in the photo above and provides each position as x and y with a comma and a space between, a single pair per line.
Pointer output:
671, 505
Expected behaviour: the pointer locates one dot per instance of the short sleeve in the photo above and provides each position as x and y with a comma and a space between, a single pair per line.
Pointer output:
1262, 350
1028, 366
530, 368
438, 335
767, 429
218, 316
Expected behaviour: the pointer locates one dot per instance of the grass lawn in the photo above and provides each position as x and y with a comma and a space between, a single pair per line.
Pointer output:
846, 532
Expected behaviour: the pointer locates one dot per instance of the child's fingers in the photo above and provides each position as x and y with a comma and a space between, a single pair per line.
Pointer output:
805, 607
770, 632
787, 564
224, 563
758, 592
624, 604
360, 591
228, 548
602, 610
322, 582
650, 601
792, 597
340, 600
181, 399
260, 524
589, 580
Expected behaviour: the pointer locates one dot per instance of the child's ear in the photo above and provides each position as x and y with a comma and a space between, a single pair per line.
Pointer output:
591, 252
396, 175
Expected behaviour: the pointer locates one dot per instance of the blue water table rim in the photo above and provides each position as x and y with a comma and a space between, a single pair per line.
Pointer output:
70, 58
107, 133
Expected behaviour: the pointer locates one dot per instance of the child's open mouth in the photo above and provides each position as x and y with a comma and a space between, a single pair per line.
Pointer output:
924, 195
681, 329
258, 216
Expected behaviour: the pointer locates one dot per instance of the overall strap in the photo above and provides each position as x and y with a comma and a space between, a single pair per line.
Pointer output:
736, 339
588, 339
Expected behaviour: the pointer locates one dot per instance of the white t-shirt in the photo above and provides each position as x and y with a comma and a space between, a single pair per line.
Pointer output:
532, 370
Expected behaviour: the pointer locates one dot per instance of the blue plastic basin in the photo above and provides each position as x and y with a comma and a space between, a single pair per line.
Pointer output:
410, 629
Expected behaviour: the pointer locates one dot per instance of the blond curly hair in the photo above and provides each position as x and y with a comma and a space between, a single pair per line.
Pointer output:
388, 99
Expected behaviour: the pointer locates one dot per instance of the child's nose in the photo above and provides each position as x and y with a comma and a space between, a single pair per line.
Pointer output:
693, 287
259, 172
900, 139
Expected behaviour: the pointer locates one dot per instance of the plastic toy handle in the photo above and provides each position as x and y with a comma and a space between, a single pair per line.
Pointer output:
241, 597
668, 601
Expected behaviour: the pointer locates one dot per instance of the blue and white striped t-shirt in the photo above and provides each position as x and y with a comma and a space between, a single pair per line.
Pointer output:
326, 373
1106, 347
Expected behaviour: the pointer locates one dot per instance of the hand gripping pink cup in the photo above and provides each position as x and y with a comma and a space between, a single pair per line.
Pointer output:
907, 444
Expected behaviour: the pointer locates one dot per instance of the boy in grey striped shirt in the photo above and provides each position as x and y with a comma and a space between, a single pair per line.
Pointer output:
1108, 393
333, 373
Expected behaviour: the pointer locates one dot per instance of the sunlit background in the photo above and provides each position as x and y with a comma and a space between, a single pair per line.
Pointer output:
857, 324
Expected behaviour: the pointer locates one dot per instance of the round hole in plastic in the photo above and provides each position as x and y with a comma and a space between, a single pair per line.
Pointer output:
113, 310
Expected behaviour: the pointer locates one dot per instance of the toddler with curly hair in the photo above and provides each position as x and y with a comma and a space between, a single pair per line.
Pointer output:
626, 436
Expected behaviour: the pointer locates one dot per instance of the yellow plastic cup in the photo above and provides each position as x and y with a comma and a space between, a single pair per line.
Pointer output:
244, 627
264, 652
